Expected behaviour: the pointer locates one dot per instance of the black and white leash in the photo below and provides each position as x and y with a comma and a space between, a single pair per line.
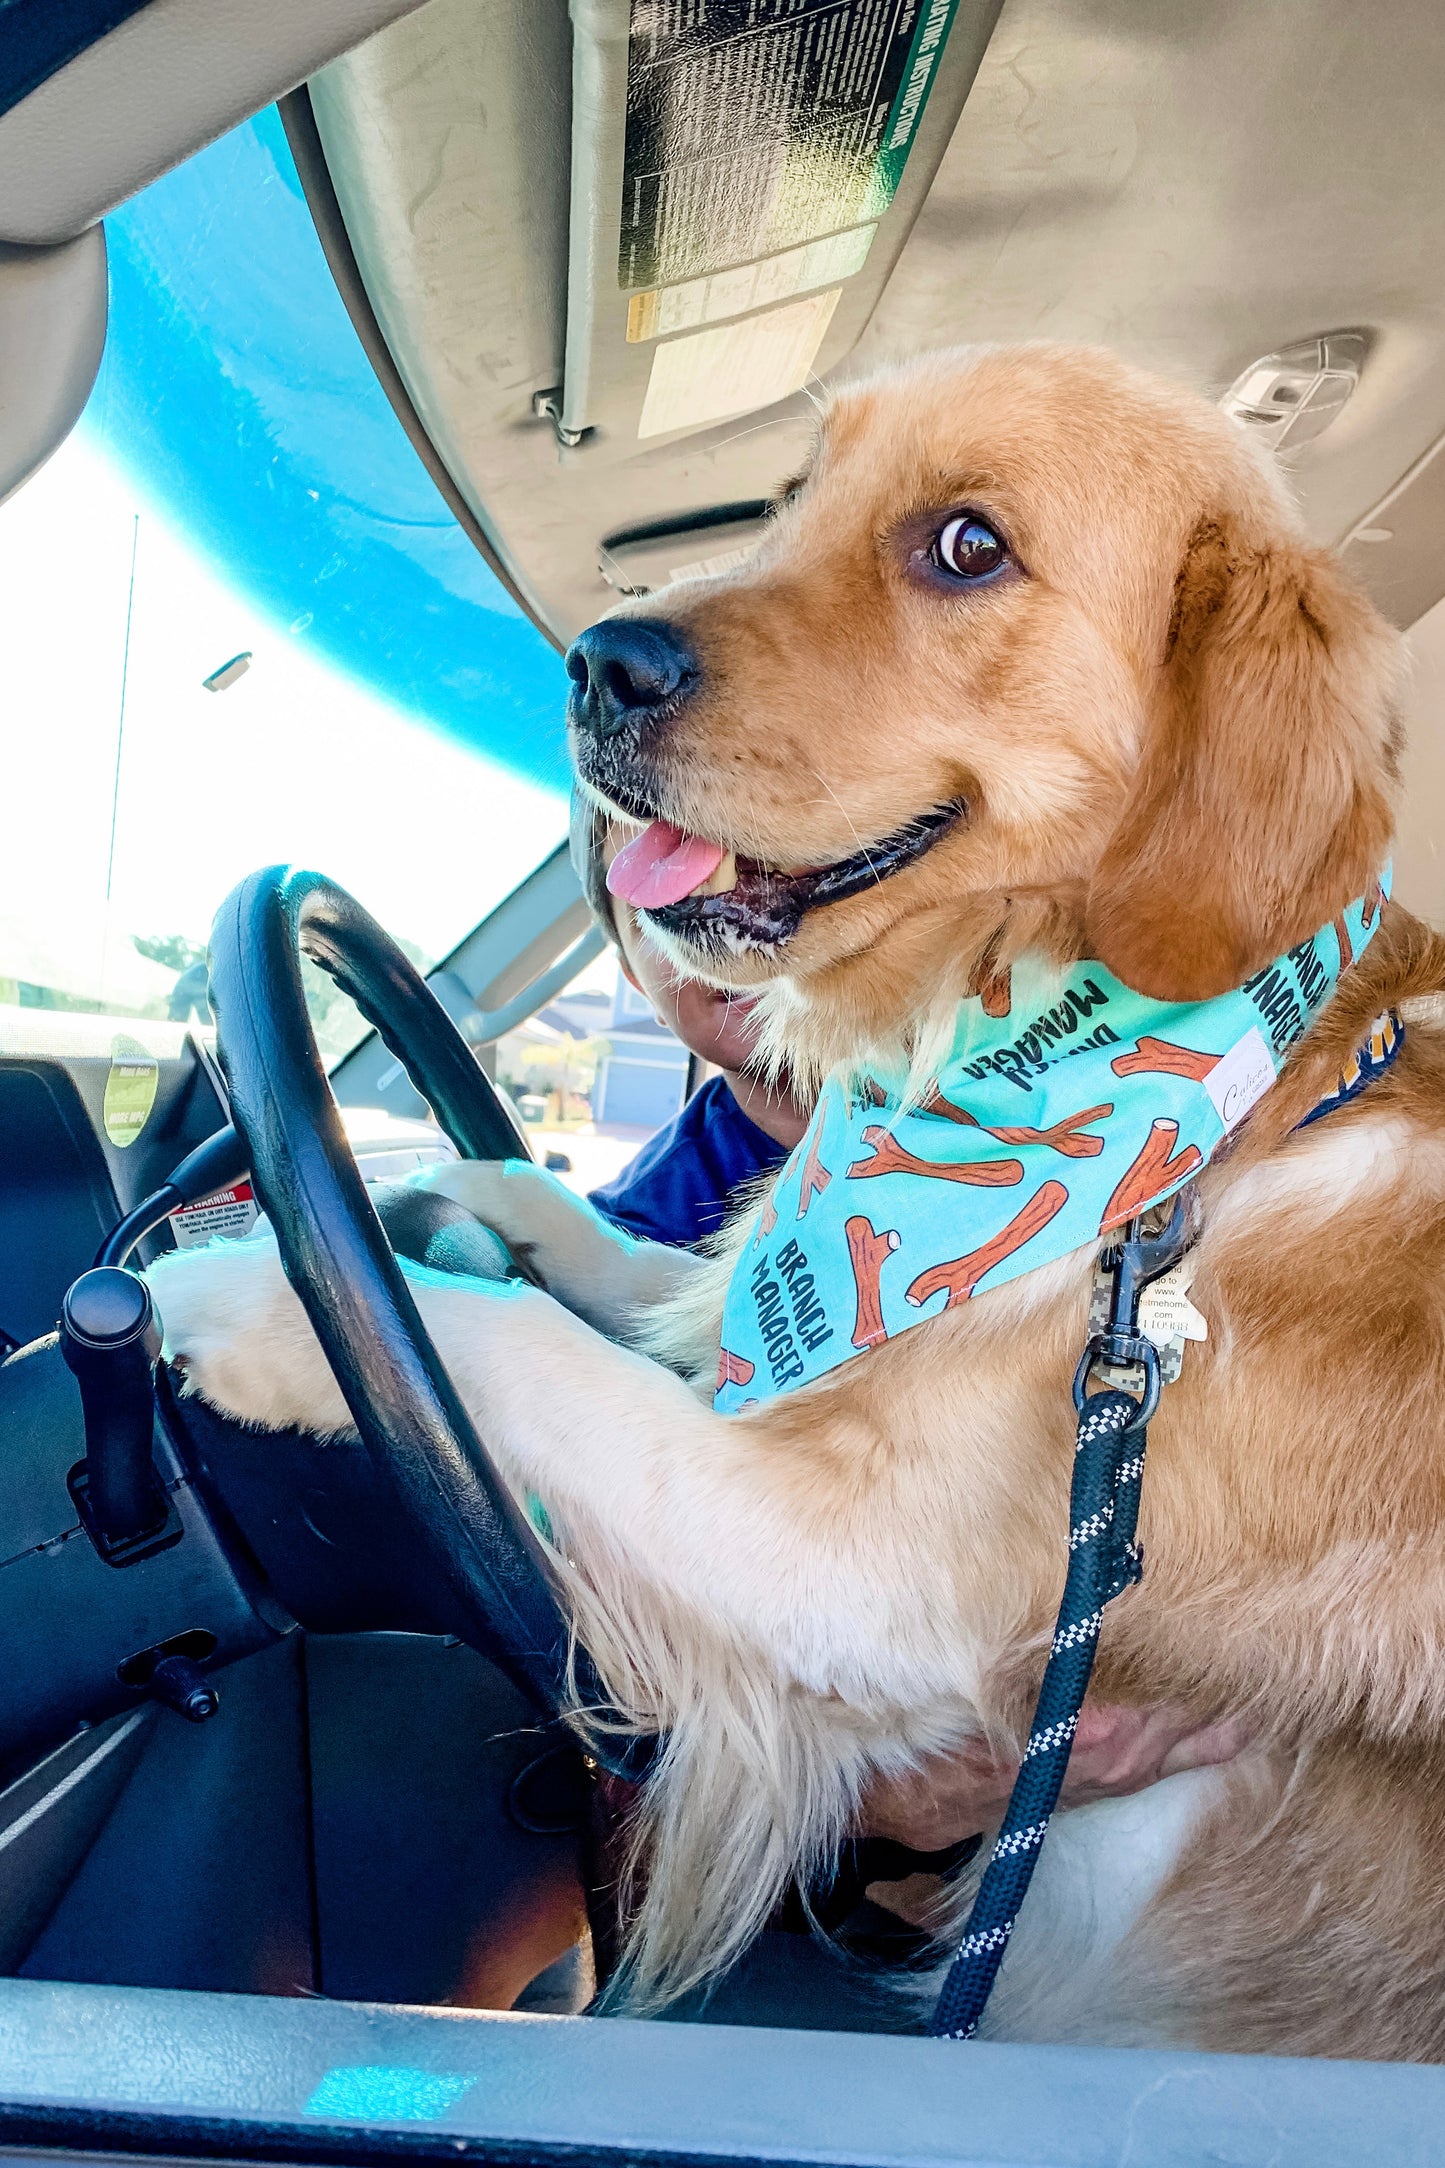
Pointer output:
1104, 1559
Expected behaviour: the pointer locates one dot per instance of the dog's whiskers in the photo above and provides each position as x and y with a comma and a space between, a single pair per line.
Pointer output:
862, 846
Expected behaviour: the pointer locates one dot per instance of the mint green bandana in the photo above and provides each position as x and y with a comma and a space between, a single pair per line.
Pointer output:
1066, 1105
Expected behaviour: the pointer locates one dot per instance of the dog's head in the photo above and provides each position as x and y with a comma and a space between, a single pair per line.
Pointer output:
1033, 652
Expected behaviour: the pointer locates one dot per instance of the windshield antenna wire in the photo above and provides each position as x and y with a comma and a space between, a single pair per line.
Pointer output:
120, 719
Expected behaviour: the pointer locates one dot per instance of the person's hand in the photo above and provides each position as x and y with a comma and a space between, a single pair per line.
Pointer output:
1116, 1750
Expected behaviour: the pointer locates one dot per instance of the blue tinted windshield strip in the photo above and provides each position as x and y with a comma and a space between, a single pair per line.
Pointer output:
235, 391
38, 38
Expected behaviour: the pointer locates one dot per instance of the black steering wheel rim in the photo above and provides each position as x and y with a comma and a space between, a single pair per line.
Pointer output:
493, 1576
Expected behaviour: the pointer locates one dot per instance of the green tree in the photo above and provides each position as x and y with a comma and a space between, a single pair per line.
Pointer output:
173, 950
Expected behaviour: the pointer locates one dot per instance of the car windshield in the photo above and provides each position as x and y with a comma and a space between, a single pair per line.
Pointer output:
242, 627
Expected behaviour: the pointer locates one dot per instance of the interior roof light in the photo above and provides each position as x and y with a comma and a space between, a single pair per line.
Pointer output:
1292, 396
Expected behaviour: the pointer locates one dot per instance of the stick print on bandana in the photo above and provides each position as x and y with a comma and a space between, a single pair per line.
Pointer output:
1156, 1057
1066, 1136
960, 1277
1157, 1169
889, 1157
1084, 1098
868, 1252
733, 1369
995, 991
815, 1179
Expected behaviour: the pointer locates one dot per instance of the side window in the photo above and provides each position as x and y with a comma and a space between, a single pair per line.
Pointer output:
594, 1075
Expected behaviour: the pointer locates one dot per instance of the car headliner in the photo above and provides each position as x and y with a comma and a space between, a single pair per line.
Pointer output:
1193, 186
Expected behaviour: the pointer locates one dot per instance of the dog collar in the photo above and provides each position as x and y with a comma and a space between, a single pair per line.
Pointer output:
1369, 1061
1067, 1105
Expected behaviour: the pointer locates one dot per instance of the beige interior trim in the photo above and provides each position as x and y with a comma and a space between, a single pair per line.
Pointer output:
162, 84
1420, 843
52, 330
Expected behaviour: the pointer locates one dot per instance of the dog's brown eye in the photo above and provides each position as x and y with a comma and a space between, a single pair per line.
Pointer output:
969, 549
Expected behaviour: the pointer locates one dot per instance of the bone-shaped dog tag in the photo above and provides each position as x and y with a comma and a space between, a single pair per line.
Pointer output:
1166, 1315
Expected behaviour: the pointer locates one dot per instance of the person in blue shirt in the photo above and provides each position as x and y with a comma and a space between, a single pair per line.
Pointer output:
686, 1179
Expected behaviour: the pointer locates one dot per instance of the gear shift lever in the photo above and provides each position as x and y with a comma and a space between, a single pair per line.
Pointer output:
110, 1337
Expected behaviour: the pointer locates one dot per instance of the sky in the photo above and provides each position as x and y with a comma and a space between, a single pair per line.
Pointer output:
401, 724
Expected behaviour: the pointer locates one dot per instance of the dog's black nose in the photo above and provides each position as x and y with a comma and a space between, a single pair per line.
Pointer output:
624, 670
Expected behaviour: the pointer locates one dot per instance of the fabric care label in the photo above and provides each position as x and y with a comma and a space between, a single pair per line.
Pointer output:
130, 1091
230, 1212
1240, 1078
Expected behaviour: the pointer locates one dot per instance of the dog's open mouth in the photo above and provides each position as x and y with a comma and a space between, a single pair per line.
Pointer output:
699, 892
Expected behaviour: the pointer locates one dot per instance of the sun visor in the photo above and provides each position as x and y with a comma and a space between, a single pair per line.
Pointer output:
744, 175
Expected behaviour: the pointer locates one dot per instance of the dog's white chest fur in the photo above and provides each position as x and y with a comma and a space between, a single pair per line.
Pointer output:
1099, 1871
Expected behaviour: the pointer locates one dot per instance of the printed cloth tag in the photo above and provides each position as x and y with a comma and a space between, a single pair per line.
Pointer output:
1240, 1078
1067, 1104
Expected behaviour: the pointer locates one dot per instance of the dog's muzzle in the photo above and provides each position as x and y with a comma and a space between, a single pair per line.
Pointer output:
630, 677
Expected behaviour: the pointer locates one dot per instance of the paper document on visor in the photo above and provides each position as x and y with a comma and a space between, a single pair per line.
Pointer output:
735, 368
737, 156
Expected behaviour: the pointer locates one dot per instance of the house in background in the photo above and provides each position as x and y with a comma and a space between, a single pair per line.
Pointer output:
583, 1012
642, 1079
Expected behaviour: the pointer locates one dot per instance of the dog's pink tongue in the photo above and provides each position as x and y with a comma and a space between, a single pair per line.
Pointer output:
661, 866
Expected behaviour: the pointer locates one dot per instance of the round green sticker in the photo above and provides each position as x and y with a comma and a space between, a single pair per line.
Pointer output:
130, 1090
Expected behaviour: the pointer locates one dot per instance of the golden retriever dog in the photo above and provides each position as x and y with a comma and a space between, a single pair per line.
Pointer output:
1146, 723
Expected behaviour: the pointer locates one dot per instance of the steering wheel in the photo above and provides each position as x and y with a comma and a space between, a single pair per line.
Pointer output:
492, 1572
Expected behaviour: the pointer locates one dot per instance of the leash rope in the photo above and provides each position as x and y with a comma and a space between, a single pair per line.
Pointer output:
1104, 1559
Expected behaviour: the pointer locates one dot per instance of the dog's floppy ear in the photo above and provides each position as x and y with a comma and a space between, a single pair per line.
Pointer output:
1262, 803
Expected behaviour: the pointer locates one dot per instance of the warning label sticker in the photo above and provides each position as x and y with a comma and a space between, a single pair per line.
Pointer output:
230, 1212
754, 126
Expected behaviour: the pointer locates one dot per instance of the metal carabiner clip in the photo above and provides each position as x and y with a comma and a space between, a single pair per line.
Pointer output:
1138, 1260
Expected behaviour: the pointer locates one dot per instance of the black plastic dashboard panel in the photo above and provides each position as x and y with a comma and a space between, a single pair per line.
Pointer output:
56, 1198
69, 1621
63, 1183
117, 2073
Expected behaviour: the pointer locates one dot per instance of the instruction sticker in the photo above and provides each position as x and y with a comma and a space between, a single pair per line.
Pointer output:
130, 1091
737, 367
753, 129
230, 1212
665, 309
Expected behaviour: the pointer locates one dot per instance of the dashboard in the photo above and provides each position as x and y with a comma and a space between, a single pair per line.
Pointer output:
94, 1113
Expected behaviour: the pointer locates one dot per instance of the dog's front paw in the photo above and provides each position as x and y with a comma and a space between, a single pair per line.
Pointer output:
496, 1190
236, 1330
